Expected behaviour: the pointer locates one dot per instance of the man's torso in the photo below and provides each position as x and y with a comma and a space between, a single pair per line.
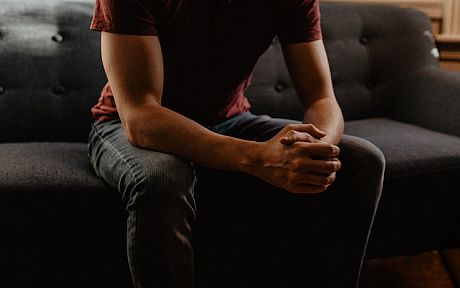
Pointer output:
209, 50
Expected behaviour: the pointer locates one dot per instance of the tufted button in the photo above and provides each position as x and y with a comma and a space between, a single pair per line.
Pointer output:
430, 36
370, 85
279, 87
59, 90
2, 90
364, 40
58, 38
435, 53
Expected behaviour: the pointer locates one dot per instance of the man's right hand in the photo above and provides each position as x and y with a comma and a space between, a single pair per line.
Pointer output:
298, 161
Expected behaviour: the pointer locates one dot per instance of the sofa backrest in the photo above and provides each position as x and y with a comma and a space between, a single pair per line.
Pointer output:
371, 49
51, 72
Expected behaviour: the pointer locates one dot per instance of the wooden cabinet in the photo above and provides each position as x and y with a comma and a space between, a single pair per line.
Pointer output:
445, 19
450, 53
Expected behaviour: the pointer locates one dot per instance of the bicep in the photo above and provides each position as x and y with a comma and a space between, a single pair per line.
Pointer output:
134, 67
309, 69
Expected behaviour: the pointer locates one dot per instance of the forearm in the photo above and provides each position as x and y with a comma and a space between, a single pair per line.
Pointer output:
309, 69
326, 115
160, 129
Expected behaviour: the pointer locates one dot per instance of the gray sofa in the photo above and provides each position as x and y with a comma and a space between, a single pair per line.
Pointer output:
62, 226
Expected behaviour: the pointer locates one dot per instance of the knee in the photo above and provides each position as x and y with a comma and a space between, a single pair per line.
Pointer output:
163, 179
363, 167
360, 156
165, 172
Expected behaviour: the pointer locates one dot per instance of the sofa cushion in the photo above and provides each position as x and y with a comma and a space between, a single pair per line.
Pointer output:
40, 166
59, 221
418, 210
408, 149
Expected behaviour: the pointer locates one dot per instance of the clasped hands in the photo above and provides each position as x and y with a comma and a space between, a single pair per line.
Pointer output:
297, 160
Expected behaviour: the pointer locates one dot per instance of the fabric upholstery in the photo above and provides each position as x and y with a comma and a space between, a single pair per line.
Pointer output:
46, 165
51, 71
370, 56
363, 56
420, 200
430, 98
60, 223
409, 150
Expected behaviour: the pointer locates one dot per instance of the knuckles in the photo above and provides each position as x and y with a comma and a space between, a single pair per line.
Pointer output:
330, 179
291, 134
333, 166
289, 127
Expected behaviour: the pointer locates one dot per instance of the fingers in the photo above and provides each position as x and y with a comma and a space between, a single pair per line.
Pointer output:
313, 178
308, 189
321, 166
294, 136
317, 150
316, 179
305, 128
309, 128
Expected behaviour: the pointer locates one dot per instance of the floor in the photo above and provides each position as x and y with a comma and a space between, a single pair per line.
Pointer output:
425, 270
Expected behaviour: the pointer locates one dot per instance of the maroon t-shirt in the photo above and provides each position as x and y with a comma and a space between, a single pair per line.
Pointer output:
209, 47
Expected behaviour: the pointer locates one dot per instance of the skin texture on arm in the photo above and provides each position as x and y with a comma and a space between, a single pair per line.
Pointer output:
309, 69
134, 67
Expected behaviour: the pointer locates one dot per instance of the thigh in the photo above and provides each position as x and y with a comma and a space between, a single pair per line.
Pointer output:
136, 172
252, 127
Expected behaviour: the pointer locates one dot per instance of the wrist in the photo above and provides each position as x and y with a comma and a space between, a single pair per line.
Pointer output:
250, 157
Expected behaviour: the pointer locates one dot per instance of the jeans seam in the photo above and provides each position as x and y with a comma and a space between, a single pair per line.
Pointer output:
131, 172
134, 257
131, 169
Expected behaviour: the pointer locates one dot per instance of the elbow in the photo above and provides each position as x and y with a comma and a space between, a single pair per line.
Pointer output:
140, 128
131, 136
134, 133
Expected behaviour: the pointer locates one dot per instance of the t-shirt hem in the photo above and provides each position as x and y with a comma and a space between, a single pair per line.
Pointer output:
307, 38
103, 27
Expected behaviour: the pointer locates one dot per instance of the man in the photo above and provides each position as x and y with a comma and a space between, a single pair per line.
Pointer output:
178, 70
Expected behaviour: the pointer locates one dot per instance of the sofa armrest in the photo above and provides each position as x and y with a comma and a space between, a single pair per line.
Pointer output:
430, 98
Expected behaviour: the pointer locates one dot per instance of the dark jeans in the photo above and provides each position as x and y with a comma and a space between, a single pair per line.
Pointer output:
246, 233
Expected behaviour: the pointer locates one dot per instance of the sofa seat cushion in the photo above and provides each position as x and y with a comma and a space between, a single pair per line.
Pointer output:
38, 166
408, 149
420, 205
59, 220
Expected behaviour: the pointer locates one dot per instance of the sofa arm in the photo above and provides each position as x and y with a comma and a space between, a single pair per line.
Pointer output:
430, 98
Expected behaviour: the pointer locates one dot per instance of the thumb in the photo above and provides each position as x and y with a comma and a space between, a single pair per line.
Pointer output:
295, 136
308, 128
315, 132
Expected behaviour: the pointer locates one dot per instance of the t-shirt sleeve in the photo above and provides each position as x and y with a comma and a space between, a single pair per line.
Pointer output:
302, 23
134, 17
